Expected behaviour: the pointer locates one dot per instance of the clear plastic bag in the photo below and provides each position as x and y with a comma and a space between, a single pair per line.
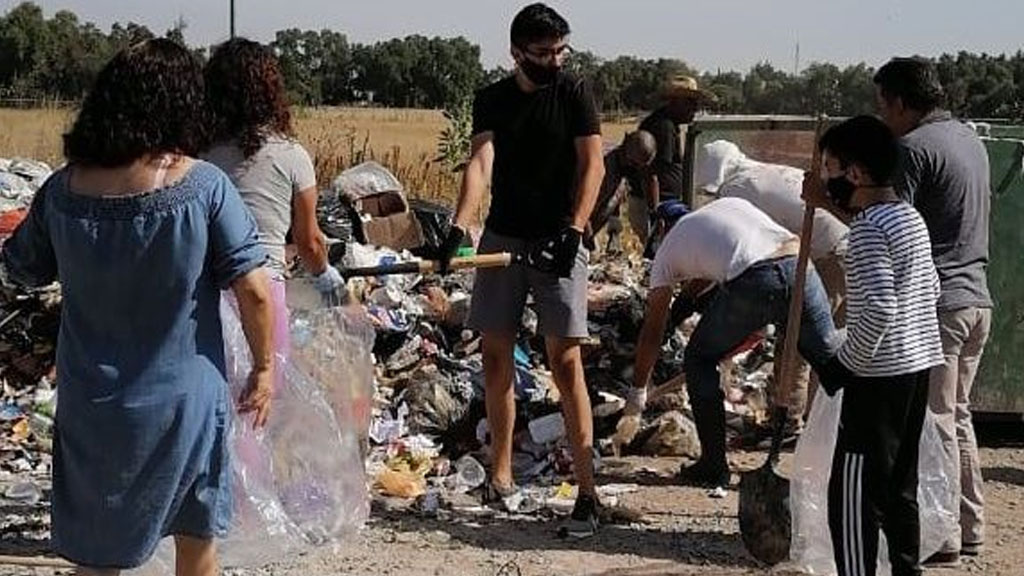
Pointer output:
300, 482
811, 548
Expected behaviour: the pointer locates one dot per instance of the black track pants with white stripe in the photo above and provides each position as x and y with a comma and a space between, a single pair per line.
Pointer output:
874, 474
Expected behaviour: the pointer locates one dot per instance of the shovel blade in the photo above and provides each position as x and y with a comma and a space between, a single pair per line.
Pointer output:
765, 521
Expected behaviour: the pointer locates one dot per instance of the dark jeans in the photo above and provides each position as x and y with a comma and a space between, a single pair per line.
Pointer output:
751, 301
874, 474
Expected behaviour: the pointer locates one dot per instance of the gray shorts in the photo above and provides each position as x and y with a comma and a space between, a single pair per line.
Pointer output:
499, 294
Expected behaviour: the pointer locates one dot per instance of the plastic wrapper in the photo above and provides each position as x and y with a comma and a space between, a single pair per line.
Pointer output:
300, 482
366, 179
811, 549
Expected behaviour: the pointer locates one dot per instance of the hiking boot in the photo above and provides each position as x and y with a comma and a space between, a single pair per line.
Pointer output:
704, 475
712, 470
582, 523
942, 560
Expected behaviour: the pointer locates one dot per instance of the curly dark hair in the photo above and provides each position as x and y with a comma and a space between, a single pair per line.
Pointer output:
149, 99
246, 92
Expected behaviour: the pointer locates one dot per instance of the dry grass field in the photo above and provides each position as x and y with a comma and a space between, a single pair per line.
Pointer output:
405, 141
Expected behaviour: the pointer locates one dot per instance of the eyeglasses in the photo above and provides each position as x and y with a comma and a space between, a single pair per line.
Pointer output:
544, 53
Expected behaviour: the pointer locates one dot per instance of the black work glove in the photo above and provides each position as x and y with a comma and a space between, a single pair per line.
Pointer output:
833, 375
448, 249
557, 254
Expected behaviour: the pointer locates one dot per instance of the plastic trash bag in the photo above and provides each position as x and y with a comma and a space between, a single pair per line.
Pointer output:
811, 548
300, 482
366, 179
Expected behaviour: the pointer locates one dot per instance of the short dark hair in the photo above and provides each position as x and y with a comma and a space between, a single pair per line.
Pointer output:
912, 80
538, 22
245, 89
867, 141
148, 99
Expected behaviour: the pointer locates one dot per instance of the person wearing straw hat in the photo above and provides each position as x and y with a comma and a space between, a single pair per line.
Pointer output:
681, 99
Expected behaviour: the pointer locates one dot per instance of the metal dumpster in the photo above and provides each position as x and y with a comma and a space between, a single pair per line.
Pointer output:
790, 140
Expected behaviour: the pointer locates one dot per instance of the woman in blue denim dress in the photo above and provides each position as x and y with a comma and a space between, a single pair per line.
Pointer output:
143, 238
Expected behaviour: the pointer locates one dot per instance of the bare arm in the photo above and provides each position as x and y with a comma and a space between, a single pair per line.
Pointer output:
306, 232
651, 189
590, 173
476, 178
651, 335
257, 316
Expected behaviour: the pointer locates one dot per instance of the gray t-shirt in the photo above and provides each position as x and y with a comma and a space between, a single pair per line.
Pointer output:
268, 181
945, 175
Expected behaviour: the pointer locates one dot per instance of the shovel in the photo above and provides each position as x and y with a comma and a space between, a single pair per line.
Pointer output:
333, 299
497, 260
764, 514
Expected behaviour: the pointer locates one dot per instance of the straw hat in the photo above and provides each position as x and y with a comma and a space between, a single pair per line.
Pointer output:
685, 87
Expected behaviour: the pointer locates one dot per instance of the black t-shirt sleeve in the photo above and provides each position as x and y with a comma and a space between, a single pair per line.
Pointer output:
664, 138
483, 112
584, 116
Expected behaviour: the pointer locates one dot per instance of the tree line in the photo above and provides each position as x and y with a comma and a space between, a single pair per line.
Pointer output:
58, 58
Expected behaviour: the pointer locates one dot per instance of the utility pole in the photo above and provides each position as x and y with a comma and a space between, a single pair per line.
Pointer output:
796, 59
232, 18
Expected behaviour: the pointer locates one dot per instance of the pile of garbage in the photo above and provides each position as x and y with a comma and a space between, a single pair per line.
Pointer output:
428, 435
413, 411
29, 321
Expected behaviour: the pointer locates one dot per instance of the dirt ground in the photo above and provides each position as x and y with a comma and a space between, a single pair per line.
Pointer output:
685, 532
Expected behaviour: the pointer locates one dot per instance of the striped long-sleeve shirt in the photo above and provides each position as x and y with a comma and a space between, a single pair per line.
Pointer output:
892, 292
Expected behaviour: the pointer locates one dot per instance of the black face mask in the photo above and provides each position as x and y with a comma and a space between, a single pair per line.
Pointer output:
840, 190
539, 74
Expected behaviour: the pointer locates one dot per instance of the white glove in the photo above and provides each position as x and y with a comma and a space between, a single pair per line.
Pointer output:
330, 280
636, 401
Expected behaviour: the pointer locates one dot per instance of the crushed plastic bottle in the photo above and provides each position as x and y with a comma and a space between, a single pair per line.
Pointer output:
469, 474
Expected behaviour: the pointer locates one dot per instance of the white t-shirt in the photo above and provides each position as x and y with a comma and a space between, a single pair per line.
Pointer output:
717, 242
776, 190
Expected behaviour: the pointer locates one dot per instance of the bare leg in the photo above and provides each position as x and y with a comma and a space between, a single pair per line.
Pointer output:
194, 556
567, 369
500, 403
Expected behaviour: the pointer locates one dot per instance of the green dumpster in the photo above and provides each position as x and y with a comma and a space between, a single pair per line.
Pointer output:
1000, 384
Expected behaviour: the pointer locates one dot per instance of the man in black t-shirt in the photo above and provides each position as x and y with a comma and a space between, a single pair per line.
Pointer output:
537, 143
664, 180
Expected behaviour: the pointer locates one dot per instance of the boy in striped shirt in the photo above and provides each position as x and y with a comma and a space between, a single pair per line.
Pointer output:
892, 340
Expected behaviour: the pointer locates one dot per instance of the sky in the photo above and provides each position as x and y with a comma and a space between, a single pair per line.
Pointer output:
708, 34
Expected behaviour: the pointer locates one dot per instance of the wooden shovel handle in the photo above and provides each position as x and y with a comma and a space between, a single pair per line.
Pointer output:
788, 366
497, 260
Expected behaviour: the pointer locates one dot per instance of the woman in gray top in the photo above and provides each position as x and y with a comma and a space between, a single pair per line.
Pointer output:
255, 145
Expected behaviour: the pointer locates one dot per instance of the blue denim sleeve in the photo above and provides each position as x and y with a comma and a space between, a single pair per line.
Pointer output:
28, 254
234, 241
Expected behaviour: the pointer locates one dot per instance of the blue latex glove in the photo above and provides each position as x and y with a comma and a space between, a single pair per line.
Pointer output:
327, 283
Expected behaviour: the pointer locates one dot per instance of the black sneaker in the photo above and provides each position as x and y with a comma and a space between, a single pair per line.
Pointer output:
704, 475
582, 523
942, 560
972, 549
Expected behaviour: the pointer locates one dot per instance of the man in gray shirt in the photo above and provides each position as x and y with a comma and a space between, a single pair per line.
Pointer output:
945, 175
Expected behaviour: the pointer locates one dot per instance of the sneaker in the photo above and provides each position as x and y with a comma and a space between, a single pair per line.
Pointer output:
582, 523
972, 549
704, 475
942, 560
